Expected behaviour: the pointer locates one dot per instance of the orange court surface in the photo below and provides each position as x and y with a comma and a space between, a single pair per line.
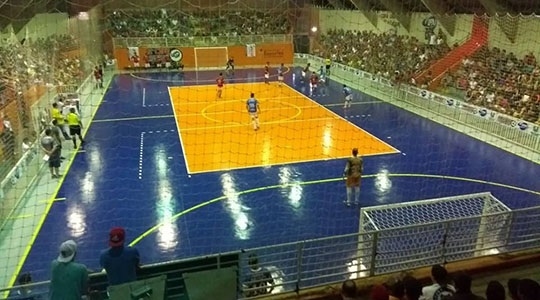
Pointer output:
216, 134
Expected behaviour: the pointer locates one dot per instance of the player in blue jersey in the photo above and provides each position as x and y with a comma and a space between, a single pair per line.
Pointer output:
347, 92
252, 106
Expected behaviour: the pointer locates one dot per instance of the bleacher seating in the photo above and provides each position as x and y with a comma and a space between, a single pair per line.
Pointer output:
499, 80
492, 78
389, 55
23, 66
167, 23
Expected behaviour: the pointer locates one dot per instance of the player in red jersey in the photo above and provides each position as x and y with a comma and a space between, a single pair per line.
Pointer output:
135, 60
313, 81
267, 73
220, 83
229, 69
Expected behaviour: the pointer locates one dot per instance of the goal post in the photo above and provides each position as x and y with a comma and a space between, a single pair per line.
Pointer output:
211, 58
435, 231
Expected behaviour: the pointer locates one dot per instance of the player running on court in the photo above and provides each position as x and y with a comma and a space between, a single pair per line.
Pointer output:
220, 82
280, 72
267, 73
305, 72
347, 92
313, 81
322, 81
252, 106
229, 69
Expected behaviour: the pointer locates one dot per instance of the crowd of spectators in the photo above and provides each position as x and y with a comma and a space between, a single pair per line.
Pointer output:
387, 54
169, 23
492, 78
40, 61
23, 65
499, 80
443, 286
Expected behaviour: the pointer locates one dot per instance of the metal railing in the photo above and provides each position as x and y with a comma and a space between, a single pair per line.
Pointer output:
484, 123
310, 263
199, 41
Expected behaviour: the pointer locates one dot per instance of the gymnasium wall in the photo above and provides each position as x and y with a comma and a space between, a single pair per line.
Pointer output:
525, 42
355, 20
196, 4
44, 25
273, 53
6, 33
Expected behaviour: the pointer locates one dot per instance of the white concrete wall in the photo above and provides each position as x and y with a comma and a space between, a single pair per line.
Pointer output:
526, 39
43, 25
355, 20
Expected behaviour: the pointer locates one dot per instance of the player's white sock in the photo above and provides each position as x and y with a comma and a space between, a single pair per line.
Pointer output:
349, 194
356, 194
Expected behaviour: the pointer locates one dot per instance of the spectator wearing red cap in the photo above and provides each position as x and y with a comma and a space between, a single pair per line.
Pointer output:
119, 261
69, 280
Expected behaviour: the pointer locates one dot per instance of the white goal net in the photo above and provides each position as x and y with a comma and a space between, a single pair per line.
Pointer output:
426, 232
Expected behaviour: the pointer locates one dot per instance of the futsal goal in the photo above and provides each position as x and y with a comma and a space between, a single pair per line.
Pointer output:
426, 232
211, 58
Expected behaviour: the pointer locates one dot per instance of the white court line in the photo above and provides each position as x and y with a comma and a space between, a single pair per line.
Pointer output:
342, 118
288, 162
262, 123
276, 108
141, 147
213, 101
179, 134
144, 97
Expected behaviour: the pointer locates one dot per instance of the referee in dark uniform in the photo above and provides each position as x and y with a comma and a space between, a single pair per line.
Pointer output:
75, 126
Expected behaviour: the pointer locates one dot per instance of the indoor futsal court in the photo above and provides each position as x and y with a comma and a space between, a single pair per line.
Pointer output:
186, 174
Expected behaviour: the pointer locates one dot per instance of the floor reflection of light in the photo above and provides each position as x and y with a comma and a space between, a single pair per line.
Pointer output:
327, 139
291, 186
167, 236
87, 186
382, 181
76, 221
95, 160
242, 223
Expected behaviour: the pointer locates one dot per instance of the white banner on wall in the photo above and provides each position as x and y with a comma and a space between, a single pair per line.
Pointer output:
251, 50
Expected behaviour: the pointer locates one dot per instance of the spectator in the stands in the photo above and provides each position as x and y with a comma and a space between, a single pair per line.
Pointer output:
348, 290
513, 286
441, 284
495, 291
69, 280
121, 262
176, 23
463, 284
412, 288
396, 290
368, 51
379, 292
528, 290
